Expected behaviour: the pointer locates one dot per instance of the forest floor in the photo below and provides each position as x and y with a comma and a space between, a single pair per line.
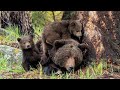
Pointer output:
37, 74
96, 70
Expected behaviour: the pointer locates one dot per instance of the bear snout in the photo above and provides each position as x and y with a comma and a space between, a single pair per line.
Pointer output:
70, 64
78, 34
28, 45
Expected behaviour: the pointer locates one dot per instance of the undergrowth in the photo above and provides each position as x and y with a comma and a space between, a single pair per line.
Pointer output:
91, 72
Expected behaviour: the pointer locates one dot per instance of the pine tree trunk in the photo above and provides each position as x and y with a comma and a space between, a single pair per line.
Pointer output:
25, 23
101, 32
5, 22
20, 18
14, 18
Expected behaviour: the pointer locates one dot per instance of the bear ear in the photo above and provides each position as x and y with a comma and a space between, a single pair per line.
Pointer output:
31, 35
58, 43
83, 46
72, 23
18, 39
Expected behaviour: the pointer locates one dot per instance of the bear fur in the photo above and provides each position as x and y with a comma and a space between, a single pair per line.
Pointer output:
48, 67
39, 44
68, 54
66, 29
30, 51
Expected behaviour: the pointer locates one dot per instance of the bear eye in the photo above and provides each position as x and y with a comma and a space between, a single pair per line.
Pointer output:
24, 43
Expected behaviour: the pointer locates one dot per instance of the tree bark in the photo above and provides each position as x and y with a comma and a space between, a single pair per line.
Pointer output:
14, 18
25, 23
5, 22
101, 32
22, 19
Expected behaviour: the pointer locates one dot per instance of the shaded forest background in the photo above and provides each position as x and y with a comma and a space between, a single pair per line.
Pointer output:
17, 23
28, 21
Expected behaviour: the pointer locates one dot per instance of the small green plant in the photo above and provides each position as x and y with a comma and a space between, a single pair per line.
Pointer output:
16, 67
13, 33
93, 70
3, 64
81, 74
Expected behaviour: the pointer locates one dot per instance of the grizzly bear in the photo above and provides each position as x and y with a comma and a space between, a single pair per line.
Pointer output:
31, 54
50, 68
68, 54
66, 29
39, 44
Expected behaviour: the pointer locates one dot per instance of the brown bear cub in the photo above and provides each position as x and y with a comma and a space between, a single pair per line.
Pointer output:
30, 51
59, 30
68, 54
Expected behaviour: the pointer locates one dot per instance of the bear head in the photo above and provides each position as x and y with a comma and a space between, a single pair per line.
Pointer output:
26, 42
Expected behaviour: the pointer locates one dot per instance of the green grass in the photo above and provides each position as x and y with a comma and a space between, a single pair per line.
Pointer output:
13, 33
38, 32
90, 72
6, 67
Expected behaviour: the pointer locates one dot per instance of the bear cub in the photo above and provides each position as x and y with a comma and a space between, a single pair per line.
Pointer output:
30, 51
66, 29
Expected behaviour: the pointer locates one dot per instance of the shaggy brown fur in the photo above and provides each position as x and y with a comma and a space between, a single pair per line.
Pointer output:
68, 54
31, 54
59, 30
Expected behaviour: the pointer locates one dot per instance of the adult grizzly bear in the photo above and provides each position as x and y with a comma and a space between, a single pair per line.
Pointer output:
68, 54
31, 54
60, 30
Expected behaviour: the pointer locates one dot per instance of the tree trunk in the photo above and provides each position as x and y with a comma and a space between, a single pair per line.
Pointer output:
101, 32
25, 23
5, 22
20, 18
14, 18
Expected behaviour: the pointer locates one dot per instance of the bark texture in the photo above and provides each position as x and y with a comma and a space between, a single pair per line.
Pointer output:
101, 32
